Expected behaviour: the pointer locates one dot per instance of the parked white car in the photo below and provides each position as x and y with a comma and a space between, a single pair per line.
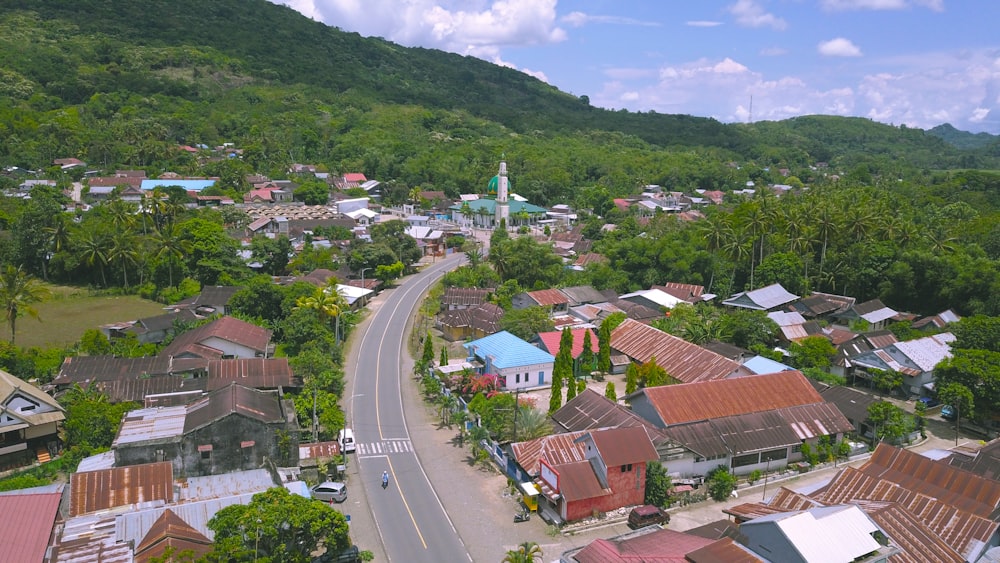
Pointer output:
330, 491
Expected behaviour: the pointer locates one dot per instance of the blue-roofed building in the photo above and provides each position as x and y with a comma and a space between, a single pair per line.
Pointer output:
187, 185
518, 363
760, 365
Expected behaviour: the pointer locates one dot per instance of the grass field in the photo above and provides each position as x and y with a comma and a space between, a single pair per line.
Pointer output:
71, 311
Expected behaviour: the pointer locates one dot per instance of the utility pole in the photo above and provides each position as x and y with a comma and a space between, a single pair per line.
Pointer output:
315, 421
517, 391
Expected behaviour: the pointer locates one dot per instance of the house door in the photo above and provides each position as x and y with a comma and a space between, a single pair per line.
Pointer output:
541, 378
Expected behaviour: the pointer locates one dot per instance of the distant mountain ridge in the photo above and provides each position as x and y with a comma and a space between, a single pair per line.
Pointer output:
211, 61
962, 139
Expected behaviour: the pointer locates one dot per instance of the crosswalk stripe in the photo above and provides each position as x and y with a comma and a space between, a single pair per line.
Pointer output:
384, 447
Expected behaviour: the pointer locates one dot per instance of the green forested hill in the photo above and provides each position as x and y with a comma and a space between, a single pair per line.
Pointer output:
121, 83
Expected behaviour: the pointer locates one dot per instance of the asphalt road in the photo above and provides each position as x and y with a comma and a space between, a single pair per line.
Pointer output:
408, 514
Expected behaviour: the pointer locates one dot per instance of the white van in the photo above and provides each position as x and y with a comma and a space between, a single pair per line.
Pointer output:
346, 440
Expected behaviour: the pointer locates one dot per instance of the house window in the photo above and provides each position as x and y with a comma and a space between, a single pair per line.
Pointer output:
159, 455
627, 468
748, 459
797, 449
206, 451
517, 378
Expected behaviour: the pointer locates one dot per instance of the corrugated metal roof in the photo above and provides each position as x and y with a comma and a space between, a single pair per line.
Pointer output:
506, 350
581, 294
547, 297
466, 296
229, 329
661, 546
957, 487
724, 550
917, 542
620, 446
90, 538
259, 373
224, 485
677, 404
962, 531
133, 525
35, 516
682, 360
852, 403
590, 410
813, 421
170, 531
928, 352
318, 450
699, 437
557, 449
264, 406
762, 299
550, 341
577, 481
833, 533
783, 318
754, 432
120, 486
157, 423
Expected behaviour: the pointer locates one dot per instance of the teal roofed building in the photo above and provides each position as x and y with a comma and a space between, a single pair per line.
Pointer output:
519, 364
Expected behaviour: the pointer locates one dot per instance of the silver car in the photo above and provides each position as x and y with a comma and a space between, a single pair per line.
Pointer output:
330, 491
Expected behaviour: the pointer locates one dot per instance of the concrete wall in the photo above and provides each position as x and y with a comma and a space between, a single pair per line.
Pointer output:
230, 348
532, 371
228, 437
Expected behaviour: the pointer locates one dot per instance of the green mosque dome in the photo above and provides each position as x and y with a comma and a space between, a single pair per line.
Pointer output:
491, 187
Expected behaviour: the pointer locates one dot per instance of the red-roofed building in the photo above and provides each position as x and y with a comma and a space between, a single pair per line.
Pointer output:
170, 531
549, 341
30, 521
227, 337
661, 546
582, 473
552, 299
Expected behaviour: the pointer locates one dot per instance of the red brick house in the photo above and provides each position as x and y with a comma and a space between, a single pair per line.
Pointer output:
610, 475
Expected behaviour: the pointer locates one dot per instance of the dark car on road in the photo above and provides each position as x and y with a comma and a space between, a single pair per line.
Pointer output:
948, 412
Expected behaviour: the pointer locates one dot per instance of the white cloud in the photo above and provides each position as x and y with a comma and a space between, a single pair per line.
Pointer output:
579, 19
702, 23
749, 13
839, 47
844, 5
449, 25
630, 96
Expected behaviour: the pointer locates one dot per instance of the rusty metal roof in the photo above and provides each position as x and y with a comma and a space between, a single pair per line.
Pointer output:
962, 489
699, 437
677, 404
813, 421
557, 449
661, 546
682, 360
852, 403
259, 405
121, 486
259, 373
754, 432
170, 531
577, 481
318, 450
229, 329
724, 550
983, 461
620, 446
90, 538
963, 531
590, 410
545, 297
917, 542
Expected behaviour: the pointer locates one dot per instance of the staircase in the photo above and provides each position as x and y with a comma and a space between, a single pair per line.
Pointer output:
42, 453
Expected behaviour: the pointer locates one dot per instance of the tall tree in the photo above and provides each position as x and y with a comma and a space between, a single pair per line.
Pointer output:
586, 359
18, 291
170, 247
604, 348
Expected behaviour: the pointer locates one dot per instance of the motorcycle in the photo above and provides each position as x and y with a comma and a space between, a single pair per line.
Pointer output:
522, 516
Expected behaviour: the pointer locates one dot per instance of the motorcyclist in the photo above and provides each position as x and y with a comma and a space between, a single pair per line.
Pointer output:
385, 479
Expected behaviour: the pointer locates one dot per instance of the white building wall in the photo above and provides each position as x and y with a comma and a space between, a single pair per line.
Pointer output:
510, 375
230, 349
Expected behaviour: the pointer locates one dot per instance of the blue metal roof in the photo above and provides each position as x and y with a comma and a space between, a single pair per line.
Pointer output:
188, 185
761, 365
506, 351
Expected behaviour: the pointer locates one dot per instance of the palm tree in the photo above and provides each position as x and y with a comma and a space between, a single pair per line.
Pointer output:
826, 226
94, 248
18, 290
123, 250
327, 301
717, 232
122, 214
527, 552
171, 247
533, 423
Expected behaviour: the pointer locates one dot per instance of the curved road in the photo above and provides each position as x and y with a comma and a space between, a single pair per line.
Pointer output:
410, 517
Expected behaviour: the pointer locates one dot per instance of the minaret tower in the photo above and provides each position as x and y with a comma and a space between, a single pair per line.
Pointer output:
503, 208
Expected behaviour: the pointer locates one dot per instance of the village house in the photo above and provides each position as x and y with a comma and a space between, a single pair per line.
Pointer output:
518, 364
549, 342
580, 474
683, 361
230, 429
553, 300
226, 337
766, 298
915, 360
873, 312
745, 423
476, 322
29, 423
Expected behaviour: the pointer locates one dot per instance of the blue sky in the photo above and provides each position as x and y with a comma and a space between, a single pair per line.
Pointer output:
914, 62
